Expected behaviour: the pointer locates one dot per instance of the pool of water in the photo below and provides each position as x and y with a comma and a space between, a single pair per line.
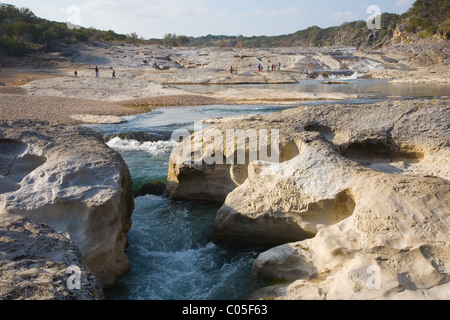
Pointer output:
363, 87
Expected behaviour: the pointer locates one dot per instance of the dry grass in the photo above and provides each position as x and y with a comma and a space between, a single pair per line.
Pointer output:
172, 100
15, 78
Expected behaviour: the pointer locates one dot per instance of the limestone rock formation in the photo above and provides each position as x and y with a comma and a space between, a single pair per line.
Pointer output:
67, 178
38, 263
360, 194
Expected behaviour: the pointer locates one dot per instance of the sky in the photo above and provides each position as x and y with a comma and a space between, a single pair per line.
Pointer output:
155, 18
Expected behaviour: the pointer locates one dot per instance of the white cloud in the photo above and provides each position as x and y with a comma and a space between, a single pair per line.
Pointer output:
138, 15
258, 12
201, 10
404, 3
343, 16
289, 11
292, 10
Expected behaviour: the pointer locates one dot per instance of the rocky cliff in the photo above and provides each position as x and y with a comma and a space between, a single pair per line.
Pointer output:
67, 178
356, 188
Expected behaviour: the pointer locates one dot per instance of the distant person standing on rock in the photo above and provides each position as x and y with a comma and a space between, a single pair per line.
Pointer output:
96, 71
114, 74
76, 73
231, 70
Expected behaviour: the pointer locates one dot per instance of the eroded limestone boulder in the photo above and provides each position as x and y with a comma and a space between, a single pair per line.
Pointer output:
360, 205
67, 178
395, 246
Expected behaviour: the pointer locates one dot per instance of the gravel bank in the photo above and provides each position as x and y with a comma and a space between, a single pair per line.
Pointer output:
12, 90
56, 109
59, 109
173, 100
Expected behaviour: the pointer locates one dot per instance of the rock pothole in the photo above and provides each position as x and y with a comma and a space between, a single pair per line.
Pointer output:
289, 151
16, 164
331, 211
333, 136
379, 155
325, 131
378, 151
382, 156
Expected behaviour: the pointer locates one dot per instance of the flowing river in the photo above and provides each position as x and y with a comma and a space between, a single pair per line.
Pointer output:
172, 254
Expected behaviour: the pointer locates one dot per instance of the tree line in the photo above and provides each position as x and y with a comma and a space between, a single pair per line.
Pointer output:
21, 32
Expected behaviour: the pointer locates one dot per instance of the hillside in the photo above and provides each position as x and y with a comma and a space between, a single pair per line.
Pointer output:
22, 32
425, 19
353, 33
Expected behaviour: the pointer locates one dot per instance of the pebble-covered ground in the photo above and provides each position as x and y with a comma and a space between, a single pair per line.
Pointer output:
16, 104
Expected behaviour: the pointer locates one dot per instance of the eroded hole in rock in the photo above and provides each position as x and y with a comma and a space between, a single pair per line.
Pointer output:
9, 150
9, 146
379, 152
15, 164
24, 165
239, 173
331, 211
381, 156
325, 131
289, 151
376, 151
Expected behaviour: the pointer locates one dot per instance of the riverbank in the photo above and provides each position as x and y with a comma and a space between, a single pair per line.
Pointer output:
46, 88
77, 111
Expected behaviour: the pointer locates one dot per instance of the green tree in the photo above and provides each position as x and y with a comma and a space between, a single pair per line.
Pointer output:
13, 46
182, 41
170, 40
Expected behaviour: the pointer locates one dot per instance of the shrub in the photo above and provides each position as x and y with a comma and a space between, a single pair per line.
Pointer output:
13, 46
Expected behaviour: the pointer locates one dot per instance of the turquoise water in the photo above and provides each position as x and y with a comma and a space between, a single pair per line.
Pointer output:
170, 247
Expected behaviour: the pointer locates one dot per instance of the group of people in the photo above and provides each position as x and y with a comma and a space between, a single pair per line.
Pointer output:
233, 70
260, 68
97, 73
274, 67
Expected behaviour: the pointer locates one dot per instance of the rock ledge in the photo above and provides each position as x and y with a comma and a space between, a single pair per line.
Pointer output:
67, 178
